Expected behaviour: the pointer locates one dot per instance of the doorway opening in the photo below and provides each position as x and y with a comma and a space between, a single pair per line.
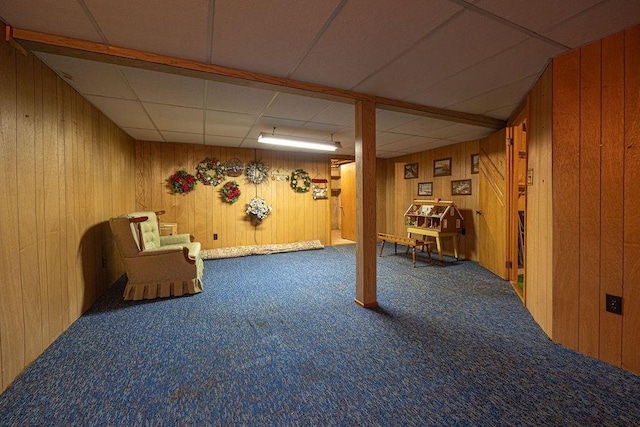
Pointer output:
343, 202
517, 212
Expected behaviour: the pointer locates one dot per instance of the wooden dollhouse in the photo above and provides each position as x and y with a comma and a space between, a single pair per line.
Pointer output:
437, 219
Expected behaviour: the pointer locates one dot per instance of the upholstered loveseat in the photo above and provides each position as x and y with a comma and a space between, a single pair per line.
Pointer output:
156, 266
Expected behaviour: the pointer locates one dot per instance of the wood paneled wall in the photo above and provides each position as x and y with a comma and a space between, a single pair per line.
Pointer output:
65, 170
400, 192
539, 214
295, 216
596, 227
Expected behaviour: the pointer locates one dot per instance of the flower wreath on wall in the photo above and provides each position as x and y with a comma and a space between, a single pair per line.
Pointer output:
182, 182
230, 192
211, 171
257, 209
300, 181
256, 171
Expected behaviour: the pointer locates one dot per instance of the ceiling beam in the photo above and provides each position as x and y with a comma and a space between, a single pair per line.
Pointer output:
94, 51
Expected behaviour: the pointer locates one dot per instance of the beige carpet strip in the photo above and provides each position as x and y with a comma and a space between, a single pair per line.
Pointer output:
239, 251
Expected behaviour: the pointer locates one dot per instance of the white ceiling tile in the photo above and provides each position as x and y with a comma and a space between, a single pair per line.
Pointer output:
62, 17
508, 95
408, 143
386, 120
494, 72
270, 37
162, 88
284, 126
89, 77
322, 129
123, 112
465, 40
455, 131
222, 141
144, 134
535, 15
187, 138
162, 27
337, 114
177, 119
386, 138
237, 99
355, 41
295, 107
606, 18
420, 126
228, 124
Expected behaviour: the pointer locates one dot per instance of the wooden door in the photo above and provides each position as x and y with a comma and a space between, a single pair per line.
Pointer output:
348, 201
492, 205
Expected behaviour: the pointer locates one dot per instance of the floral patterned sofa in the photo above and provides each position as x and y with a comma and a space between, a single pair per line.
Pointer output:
156, 266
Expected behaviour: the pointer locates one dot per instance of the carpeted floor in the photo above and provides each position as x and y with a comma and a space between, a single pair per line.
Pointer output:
278, 340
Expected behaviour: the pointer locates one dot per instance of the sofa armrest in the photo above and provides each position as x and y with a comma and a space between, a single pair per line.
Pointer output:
167, 251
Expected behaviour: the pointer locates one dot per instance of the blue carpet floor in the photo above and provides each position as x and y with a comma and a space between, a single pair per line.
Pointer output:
278, 340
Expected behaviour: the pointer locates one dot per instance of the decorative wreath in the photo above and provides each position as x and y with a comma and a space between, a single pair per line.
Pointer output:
256, 171
182, 182
230, 192
296, 177
211, 171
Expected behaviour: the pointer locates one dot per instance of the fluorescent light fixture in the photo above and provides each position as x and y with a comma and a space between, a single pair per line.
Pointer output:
292, 141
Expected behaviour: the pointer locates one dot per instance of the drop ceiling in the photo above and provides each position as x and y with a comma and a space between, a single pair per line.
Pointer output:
477, 57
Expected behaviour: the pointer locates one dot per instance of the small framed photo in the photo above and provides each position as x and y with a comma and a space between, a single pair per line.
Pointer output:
442, 167
410, 171
425, 189
461, 187
475, 163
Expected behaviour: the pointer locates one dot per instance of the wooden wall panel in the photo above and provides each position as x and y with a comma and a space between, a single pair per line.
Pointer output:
589, 209
631, 286
12, 327
27, 219
539, 212
295, 216
596, 132
401, 192
55, 201
566, 197
612, 185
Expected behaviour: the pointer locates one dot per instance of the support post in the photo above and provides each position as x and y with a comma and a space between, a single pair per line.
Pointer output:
366, 235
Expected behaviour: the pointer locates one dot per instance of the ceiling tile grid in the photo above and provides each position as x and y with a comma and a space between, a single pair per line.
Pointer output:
479, 56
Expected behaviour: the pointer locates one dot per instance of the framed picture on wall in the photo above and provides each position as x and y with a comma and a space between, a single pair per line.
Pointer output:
425, 189
410, 170
475, 163
442, 167
461, 187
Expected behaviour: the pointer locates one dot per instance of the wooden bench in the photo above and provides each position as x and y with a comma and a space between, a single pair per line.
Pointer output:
408, 242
